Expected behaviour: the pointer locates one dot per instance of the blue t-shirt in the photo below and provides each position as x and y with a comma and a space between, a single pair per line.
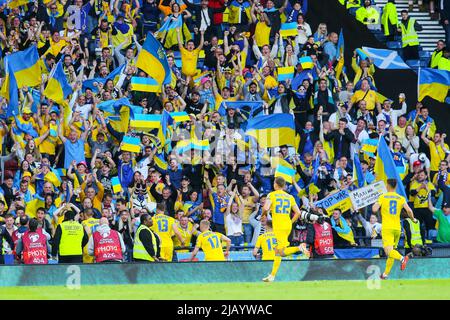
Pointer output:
220, 205
73, 151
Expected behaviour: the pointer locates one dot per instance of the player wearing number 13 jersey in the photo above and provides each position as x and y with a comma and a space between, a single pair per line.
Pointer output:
211, 244
280, 204
391, 205
165, 226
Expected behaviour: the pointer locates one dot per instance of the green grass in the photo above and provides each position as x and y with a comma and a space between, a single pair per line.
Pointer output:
390, 289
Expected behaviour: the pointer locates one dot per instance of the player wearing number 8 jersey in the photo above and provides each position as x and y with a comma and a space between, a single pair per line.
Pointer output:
391, 204
211, 244
280, 204
165, 226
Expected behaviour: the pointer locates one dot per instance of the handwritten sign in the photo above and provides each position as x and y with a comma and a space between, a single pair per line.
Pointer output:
339, 200
368, 195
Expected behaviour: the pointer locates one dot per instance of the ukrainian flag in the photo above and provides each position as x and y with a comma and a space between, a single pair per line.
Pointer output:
10, 91
58, 88
272, 130
358, 174
166, 121
153, 61
202, 145
385, 167
131, 144
306, 63
180, 116
433, 83
143, 122
145, 84
160, 162
285, 73
286, 172
341, 44
25, 67
115, 182
369, 146
289, 29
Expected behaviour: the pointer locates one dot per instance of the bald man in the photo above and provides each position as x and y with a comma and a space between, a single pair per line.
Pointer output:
105, 244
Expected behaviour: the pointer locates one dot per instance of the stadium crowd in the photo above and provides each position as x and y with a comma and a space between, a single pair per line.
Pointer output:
71, 168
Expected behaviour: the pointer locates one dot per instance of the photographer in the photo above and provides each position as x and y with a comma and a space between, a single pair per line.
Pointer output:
320, 238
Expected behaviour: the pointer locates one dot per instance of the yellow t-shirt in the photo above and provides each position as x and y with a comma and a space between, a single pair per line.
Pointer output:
437, 154
371, 98
267, 242
249, 206
421, 198
211, 245
399, 132
186, 234
163, 227
189, 61
262, 34
391, 206
281, 204
49, 144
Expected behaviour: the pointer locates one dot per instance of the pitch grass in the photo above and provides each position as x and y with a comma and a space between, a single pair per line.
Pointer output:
390, 289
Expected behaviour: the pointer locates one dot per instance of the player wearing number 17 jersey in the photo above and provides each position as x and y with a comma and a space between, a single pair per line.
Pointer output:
211, 244
391, 204
280, 204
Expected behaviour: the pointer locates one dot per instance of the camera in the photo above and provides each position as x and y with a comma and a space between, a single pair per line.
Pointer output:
422, 251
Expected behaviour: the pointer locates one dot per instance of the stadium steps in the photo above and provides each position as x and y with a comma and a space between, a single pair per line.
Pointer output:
432, 30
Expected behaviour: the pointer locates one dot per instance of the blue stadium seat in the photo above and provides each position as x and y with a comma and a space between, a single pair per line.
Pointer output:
424, 55
394, 44
415, 64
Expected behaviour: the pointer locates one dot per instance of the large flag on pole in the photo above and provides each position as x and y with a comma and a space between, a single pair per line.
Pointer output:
272, 130
384, 58
433, 83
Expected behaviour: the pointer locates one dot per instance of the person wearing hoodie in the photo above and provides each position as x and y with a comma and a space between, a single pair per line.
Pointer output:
105, 244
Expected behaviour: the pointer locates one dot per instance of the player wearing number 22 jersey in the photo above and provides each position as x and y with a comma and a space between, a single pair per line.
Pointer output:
211, 244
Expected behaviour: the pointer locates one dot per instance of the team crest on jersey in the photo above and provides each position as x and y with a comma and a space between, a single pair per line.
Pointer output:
105, 234
34, 237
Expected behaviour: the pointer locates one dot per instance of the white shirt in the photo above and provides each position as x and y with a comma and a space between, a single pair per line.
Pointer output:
234, 225
393, 115
356, 147
205, 21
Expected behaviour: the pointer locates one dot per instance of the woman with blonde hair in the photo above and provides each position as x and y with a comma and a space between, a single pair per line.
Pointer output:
321, 34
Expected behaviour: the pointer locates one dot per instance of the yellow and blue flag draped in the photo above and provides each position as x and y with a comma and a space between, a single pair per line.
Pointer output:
358, 174
114, 75
202, 145
115, 182
433, 83
383, 58
249, 108
289, 29
131, 144
153, 61
285, 73
272, 130
306, 63
146, 122
287, 172
24, 127
385, 167
369, 146
145, 84
180, 116
58, 88
170, 24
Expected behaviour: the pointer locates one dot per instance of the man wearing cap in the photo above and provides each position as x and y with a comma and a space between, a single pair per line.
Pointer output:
443, 218
250, 88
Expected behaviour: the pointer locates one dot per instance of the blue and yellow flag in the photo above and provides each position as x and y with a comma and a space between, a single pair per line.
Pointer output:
10, 91
25, 67
341, 44
160, 162
153, 61
287, 172
272, 130
131, 144
358, 174
285, 73
180, 116
163, 133
385, 167
146, 122
306, 63
115, 182
369, 146
145, 84
289, 29
170, 24
17, 3
58, 88
433, 83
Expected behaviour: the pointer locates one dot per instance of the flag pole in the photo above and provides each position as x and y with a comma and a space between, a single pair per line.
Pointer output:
418, 81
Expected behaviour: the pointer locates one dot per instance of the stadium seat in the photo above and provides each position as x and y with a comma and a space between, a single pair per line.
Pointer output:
413, 63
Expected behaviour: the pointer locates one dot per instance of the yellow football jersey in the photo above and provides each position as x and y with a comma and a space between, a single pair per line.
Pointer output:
391, 206
281, 204
90, 224
267, 242
211, 244
421, 198
163, 226
186, 234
